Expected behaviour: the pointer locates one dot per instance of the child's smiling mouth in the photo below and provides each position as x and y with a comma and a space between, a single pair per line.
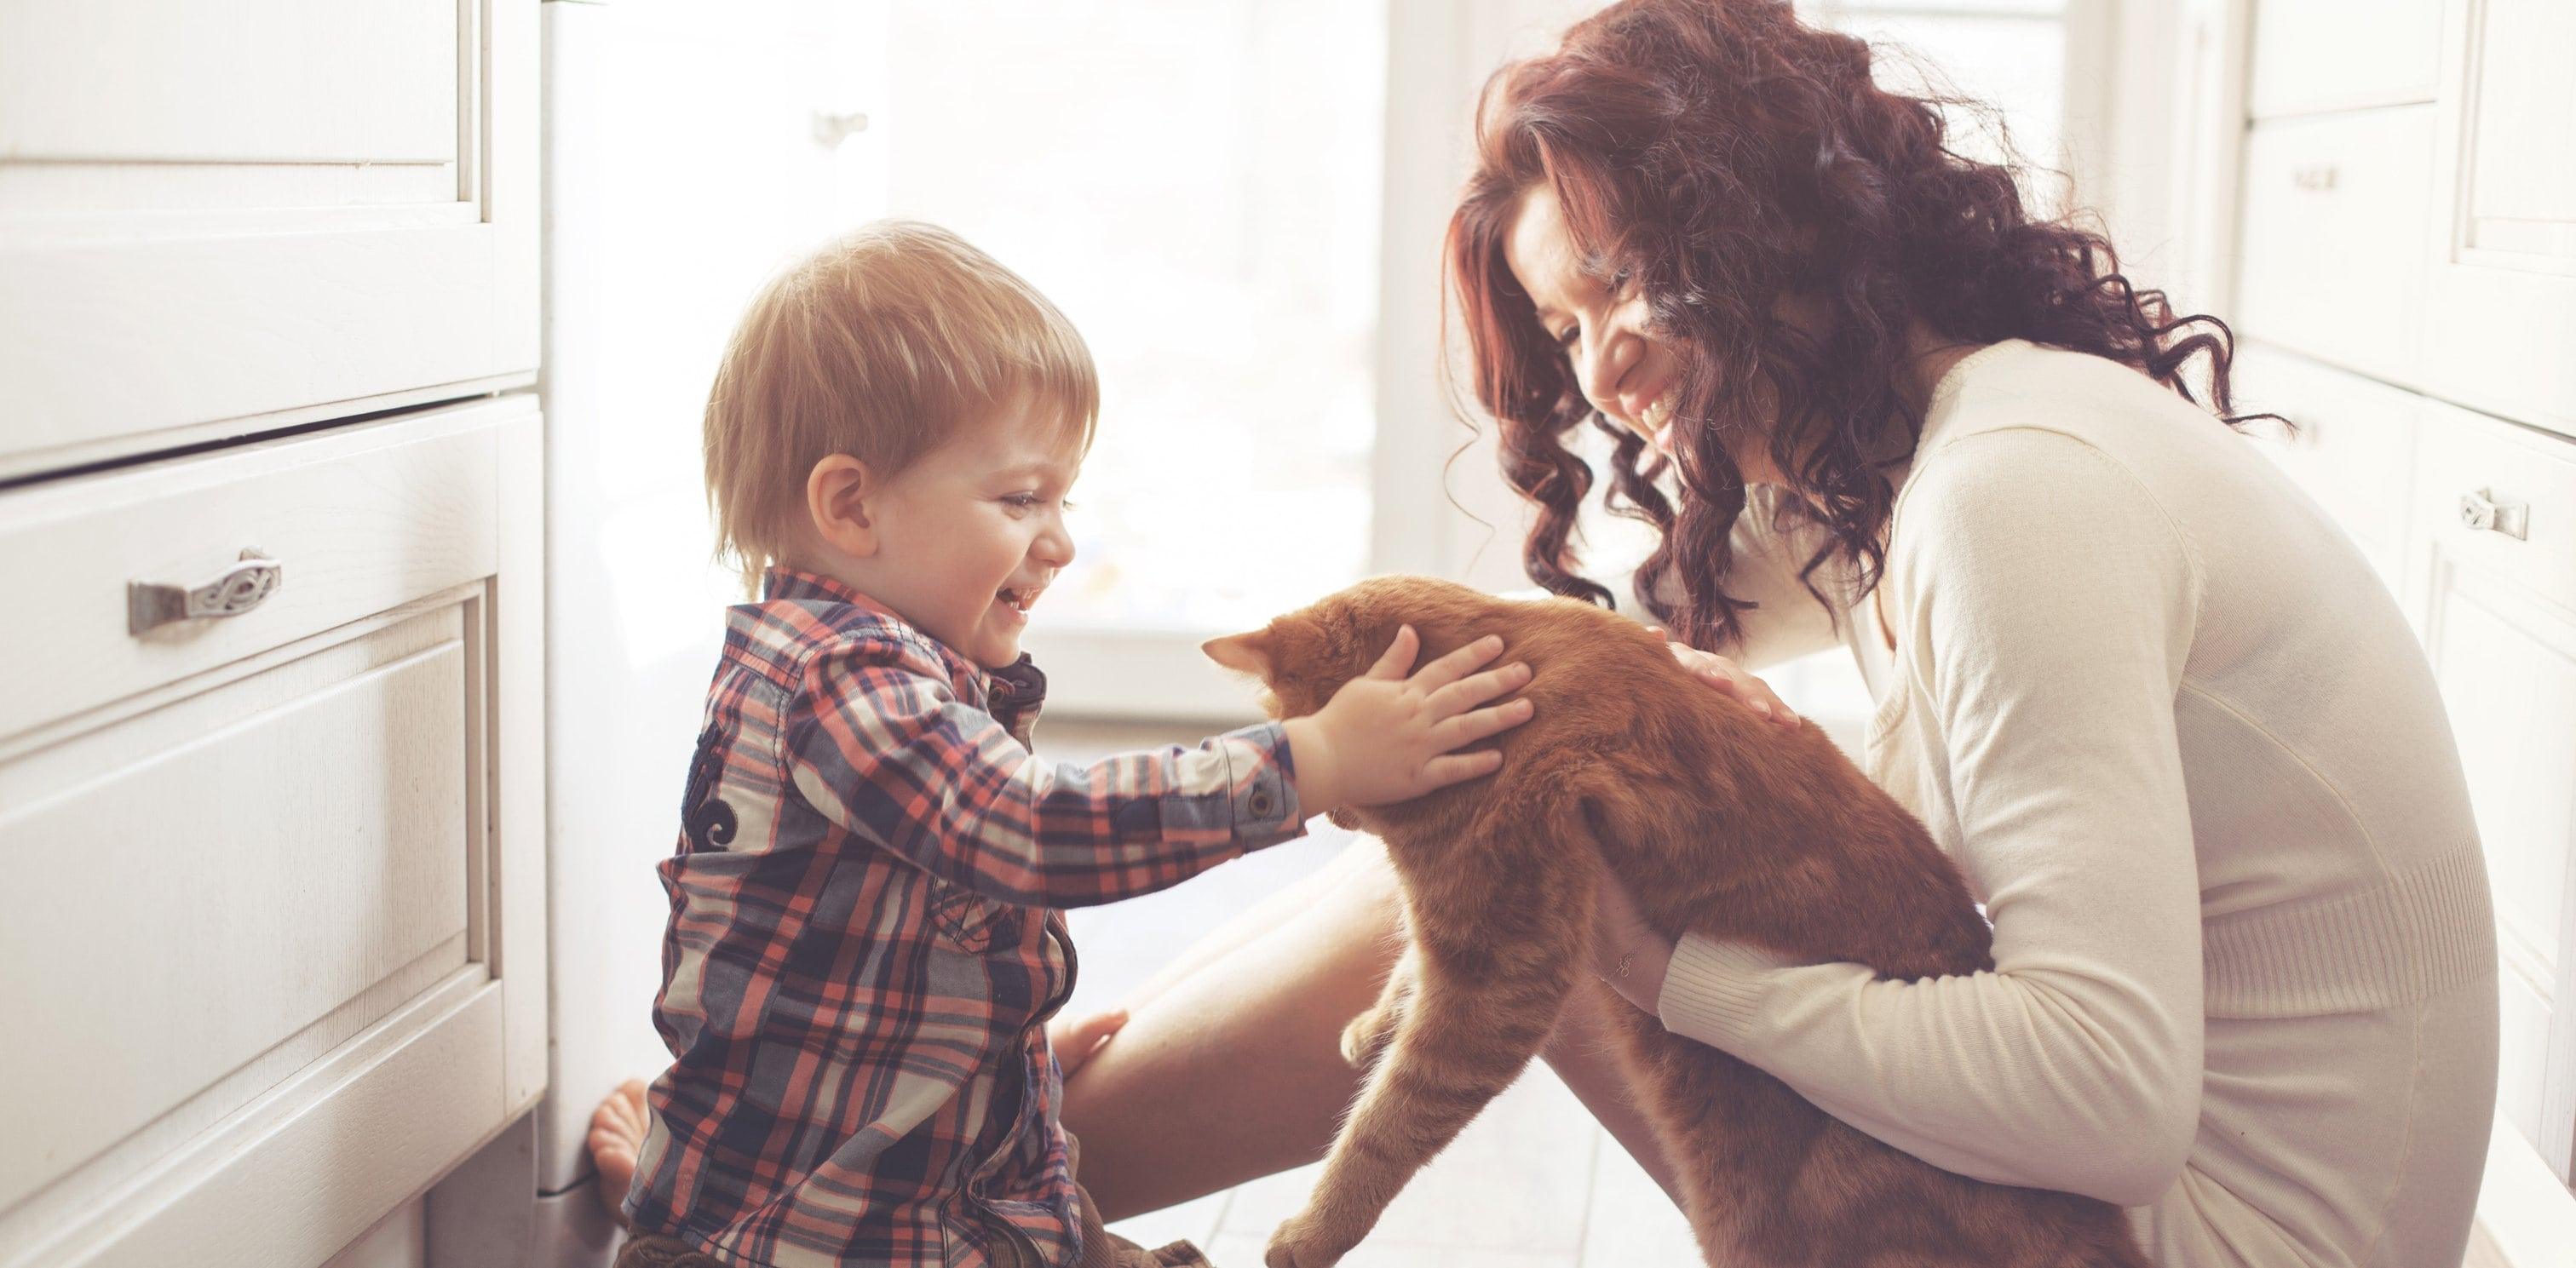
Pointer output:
1020, 598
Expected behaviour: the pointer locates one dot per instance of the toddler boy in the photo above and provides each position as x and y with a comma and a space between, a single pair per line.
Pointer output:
864, 942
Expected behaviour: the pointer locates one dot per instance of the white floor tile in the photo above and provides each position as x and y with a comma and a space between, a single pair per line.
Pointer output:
1517, 1179
1244, 1250
1631, 1222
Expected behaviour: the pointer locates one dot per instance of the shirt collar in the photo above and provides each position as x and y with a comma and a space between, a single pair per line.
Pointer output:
1020, 679
796, 583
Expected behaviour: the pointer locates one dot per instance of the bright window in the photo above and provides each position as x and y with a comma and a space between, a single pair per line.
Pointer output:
1196, 183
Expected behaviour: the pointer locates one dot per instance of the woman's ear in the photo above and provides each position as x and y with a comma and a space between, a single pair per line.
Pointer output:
1245, 653
836, 499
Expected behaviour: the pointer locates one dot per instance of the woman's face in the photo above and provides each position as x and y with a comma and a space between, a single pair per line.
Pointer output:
1624, 371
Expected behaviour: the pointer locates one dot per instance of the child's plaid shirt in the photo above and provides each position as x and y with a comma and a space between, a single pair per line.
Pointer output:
863, 947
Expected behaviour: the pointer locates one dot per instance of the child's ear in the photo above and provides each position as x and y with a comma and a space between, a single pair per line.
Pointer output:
1246, 653
836, 494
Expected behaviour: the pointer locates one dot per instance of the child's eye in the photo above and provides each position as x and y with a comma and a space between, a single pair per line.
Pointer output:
1020, 501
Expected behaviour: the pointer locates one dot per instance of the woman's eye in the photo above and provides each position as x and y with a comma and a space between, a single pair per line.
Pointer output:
1566, 338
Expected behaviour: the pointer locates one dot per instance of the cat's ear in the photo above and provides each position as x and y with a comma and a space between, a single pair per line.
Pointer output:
1245, 653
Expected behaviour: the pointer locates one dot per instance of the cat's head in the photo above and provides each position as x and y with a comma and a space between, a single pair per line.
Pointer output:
1305, 656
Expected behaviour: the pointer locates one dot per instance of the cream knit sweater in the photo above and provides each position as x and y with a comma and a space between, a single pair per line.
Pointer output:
2191, 759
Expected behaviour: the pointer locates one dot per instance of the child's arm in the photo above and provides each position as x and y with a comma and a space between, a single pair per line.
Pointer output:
889, 753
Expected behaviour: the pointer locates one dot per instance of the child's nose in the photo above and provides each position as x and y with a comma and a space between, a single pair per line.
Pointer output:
1054, 547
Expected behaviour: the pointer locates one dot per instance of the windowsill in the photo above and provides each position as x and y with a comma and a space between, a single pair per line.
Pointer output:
1132, 675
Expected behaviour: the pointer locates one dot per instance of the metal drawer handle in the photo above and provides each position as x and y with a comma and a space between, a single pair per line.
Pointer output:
245, 585
2482, 513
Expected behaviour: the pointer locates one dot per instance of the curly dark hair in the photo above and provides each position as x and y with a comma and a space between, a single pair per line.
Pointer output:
1721, 156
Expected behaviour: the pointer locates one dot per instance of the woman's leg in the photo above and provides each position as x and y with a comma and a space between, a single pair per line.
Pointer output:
1230, 1065
1230, 1068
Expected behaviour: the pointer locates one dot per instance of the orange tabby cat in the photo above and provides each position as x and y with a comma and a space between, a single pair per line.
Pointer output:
1718, 822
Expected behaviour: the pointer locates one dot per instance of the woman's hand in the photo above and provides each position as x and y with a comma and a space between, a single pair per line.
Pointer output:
1390, 735
1729, 678
1076, 1042
1627, 953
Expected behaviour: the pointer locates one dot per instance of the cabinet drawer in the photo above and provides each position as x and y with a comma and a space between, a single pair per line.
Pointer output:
2530, 476
357, 522
2498, 614
2333, 247
2352, 450
226, 220
288, 863
2312, 55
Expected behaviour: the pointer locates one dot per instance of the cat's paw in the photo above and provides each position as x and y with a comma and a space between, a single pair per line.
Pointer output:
1366, 1036
1305, 1242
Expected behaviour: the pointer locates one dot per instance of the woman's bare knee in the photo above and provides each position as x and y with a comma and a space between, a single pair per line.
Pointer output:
1235, 1070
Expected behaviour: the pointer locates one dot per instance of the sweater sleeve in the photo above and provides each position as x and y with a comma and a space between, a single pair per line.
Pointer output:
2045, 606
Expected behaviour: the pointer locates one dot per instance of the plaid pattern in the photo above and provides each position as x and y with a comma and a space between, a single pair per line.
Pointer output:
863, 941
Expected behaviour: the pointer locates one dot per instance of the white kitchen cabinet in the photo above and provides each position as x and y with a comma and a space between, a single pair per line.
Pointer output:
281, 863
222, 220
2499, 316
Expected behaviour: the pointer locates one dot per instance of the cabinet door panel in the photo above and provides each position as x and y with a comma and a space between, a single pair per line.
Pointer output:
247, 862
2500, 318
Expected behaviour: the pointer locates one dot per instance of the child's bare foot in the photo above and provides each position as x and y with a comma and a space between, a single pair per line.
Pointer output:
617, 1130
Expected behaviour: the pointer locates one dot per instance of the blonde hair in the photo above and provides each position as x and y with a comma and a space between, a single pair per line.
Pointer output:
879, 345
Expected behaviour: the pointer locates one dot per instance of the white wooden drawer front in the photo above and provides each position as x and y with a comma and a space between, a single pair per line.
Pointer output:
357, 522
280, 959
220, 220
2333, 246
2498, 614
2352, 448
2312, 55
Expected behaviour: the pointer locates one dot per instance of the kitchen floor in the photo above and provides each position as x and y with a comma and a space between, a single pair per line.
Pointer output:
1532, 1183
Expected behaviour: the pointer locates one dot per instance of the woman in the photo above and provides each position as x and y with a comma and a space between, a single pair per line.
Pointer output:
2163, 714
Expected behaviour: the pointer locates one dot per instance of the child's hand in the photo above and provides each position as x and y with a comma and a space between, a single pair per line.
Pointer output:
1385, 737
